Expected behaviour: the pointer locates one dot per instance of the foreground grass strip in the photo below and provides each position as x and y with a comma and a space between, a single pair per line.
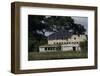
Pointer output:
56, 55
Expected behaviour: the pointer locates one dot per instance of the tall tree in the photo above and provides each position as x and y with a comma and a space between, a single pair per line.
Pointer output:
64, 23
36, 29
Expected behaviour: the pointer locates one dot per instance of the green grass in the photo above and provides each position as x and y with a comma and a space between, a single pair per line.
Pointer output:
56, 55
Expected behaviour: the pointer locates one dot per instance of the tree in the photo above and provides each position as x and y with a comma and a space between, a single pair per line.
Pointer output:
36, 24
57, 23
36, 32
78, 29
43, 24
84, 46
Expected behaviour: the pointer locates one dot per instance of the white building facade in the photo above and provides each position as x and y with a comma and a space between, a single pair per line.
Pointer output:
67, 44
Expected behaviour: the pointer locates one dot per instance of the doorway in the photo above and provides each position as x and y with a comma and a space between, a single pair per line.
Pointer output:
74, 48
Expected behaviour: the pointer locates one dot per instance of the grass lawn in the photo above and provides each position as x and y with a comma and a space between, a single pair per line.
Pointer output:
56, 55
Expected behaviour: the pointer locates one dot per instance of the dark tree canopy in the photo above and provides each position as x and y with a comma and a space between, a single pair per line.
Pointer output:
65, 23
41, 24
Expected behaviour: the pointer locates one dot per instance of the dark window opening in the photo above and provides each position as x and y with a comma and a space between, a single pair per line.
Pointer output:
74, 48
45, 48
74, 38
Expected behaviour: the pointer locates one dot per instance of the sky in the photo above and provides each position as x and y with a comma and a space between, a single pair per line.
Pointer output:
83, 21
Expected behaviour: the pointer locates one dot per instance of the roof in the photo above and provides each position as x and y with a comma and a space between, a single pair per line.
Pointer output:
62, 34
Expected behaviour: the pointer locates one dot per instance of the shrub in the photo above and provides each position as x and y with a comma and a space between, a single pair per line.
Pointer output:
84, 45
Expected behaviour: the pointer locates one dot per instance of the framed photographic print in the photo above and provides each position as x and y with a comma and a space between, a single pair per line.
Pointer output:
52, 37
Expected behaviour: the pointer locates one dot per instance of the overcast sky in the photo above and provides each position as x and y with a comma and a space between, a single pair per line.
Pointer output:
82, 20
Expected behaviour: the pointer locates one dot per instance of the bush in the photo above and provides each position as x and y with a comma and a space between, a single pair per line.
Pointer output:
84, 46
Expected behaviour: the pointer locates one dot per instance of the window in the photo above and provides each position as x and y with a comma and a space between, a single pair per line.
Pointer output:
48, 48
78, 35
56, 48
74, 42
53, 48
57, 43
45, 48
64, 42
74, 38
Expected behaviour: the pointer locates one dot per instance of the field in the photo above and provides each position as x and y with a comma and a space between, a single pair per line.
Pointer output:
56, 55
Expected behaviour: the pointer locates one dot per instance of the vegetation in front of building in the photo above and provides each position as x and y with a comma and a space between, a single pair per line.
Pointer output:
57, 55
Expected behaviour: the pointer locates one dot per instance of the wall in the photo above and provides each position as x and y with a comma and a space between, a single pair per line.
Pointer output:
5, 32
66, 41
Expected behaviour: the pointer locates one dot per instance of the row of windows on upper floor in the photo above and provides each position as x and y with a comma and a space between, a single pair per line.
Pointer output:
67, 38
66, 42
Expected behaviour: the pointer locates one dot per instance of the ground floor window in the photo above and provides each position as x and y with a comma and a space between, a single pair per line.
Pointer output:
52, 48
74, 48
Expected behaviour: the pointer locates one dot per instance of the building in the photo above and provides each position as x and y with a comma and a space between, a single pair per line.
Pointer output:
63, 41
